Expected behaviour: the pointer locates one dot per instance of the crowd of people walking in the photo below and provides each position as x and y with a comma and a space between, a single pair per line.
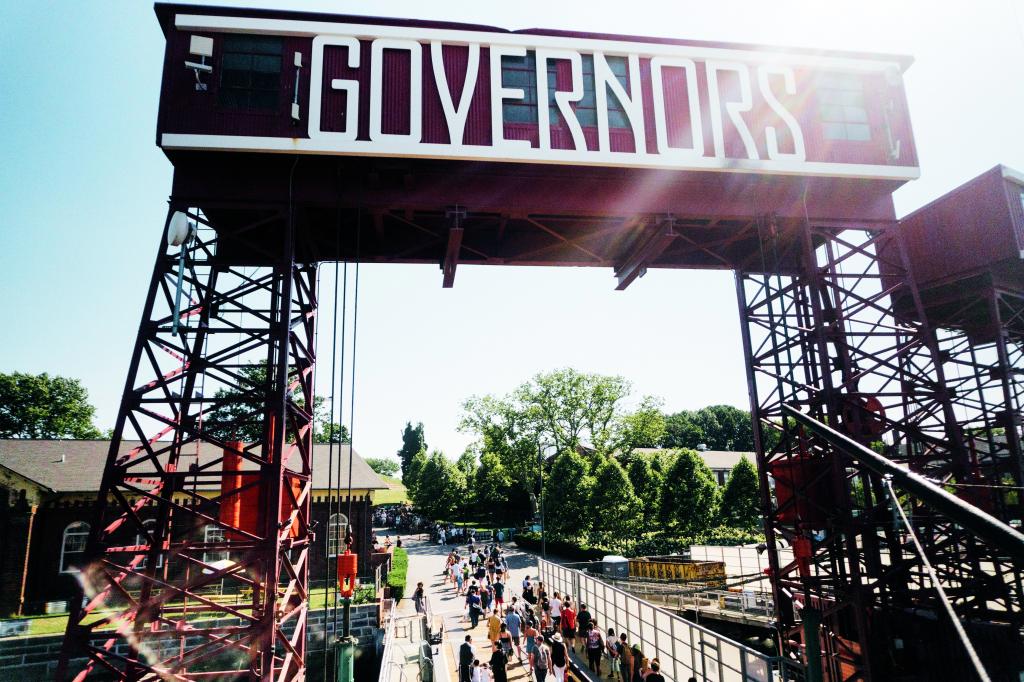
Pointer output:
533, 627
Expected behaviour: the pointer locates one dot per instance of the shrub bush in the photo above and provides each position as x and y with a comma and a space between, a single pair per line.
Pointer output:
399, 573
654, 544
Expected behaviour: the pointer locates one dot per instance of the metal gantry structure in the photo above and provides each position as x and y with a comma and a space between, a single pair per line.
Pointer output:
833, 325
188, 399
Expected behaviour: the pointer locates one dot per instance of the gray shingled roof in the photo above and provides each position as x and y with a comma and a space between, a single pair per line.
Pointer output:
715, 459
77, 465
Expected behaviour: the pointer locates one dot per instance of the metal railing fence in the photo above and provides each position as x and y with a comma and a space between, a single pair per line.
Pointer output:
683, 648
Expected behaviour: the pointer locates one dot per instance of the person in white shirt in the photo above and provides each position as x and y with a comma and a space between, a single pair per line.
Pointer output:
556, 611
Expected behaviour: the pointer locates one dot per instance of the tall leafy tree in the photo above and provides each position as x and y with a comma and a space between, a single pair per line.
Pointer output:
647, 483
38, 406
326, 432
740, 506
644, 428
440, 487
616, 511
412, 475
492, 489
567, 493
682, 431
385, 466
467, 463
720, 427
41, 406
689, 500
413, 441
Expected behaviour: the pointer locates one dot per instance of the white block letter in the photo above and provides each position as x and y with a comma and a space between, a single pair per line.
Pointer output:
455, 116
771, 137
351, 87
499, 93
733, 109
562, 98
377, 90
632, 104
660, 126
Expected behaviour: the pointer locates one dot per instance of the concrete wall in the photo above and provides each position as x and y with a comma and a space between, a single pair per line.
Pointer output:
28, 659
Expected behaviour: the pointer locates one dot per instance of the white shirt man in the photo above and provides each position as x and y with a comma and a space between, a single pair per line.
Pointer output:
556, 607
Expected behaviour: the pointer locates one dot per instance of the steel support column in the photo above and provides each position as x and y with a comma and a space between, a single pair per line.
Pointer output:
176, 586
820, 332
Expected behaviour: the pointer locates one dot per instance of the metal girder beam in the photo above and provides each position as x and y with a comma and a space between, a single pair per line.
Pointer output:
455, 215
647, 249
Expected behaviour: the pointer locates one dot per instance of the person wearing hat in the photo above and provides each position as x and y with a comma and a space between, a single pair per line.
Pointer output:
559, 657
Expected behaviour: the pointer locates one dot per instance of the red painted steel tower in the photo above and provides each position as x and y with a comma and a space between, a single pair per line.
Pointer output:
298, 138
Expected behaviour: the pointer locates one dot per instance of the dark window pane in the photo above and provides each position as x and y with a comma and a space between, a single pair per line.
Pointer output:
250, 73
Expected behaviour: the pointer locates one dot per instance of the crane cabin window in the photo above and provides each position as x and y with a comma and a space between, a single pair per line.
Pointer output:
841, 107
250, 74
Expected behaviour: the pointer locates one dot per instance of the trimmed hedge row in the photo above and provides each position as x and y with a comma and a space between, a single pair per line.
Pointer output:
399, 573
654, 545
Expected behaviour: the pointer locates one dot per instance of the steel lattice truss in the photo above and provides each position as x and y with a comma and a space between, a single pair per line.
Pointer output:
983, 355
821, 332
187, 397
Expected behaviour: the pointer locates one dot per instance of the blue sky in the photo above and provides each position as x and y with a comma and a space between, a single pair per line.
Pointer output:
83, 190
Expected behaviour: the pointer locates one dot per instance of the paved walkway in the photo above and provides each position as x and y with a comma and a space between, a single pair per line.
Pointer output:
426, 562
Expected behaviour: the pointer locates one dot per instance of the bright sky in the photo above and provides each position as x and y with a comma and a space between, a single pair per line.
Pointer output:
83, 190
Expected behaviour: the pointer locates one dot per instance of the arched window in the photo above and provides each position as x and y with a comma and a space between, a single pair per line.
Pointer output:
336, 533
214, 534
72, 547
141, 539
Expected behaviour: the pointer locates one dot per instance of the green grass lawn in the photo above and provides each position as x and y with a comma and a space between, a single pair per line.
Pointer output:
57, 623
395, 495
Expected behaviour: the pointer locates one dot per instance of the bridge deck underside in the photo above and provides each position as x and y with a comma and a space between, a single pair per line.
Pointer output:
402, 211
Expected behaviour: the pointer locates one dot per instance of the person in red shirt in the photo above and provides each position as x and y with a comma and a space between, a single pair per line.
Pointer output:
569, 623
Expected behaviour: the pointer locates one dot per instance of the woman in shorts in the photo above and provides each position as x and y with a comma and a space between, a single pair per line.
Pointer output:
568, 624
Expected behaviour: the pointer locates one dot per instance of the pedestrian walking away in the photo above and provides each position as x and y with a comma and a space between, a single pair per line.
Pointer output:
559, 657
569, 624
514, 623
611, 645
594, 644
625, 658
540, 659
655, 674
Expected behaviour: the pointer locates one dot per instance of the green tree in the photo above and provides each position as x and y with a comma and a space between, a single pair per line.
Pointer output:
492, 487
385, 466
411, 477
647, 483
720, 427
689, 497
467, 463
682, 431
413, 441
326, 432
567, 492
241, 412
563, 409
616, 510
740, 506
41, 406
644, 428
440, 487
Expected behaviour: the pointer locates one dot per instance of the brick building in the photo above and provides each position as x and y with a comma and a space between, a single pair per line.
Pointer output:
48, 487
